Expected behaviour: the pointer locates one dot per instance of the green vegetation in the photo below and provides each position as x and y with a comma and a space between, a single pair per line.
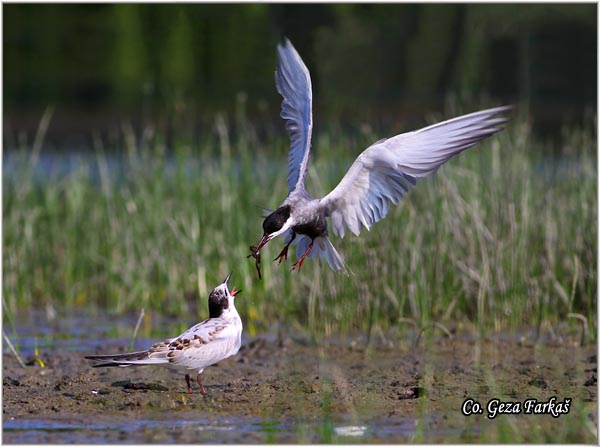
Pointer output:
504, 236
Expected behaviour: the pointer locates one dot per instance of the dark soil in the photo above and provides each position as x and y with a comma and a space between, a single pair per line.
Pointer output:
295, 391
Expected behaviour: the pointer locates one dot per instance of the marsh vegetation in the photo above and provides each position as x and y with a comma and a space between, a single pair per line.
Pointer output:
477, 285
504, 236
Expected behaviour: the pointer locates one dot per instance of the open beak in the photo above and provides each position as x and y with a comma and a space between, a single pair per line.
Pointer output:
232, 292
263, 241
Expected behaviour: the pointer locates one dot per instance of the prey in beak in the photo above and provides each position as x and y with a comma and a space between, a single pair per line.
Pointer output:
255, 253
274, 224
263, 241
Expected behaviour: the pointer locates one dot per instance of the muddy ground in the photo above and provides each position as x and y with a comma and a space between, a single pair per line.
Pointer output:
286, 390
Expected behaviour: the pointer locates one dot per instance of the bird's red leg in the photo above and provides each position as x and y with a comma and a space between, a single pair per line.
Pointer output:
298, 264
284, 252
187, 380
199, 379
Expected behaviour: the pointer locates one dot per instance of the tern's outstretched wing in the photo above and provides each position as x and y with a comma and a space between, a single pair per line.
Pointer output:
292, 80
384, 171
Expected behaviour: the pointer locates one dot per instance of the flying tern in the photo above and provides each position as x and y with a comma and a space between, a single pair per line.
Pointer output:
381, 175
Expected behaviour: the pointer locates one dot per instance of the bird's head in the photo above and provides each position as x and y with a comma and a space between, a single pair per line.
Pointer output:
276, 223
221, 298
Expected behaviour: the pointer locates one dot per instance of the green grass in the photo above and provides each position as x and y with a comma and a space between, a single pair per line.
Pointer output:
492, 242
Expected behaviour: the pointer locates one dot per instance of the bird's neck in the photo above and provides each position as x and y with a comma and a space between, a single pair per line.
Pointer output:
230, 313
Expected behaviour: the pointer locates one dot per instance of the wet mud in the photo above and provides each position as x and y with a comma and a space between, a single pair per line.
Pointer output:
292, 390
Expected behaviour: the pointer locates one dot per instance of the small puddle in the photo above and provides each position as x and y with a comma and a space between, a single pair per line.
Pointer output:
181, 429
289, 390
36, 431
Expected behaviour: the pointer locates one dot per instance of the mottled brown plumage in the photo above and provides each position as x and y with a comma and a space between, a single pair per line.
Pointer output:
202, 345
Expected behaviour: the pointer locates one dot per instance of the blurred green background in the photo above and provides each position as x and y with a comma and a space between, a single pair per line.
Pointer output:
382, 64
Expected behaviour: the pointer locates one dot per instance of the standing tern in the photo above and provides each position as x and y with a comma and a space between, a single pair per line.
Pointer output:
380, 175
202, 345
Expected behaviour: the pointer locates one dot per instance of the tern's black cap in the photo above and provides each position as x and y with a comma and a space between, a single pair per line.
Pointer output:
274, 221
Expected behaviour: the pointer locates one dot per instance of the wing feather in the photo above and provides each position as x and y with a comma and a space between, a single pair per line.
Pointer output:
384, 172
292, 80
203, 342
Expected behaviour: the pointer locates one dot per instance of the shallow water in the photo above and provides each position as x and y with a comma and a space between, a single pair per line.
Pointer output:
37, 431
189, 429
81, 334
286, 389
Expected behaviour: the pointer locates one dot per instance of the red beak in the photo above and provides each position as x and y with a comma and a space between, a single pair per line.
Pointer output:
234, 292
262, 242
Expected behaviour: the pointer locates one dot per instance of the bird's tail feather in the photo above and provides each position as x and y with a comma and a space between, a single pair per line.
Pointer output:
323, 248
132, 358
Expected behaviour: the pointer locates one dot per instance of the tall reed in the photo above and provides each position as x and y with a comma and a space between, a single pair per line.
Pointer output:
503, 236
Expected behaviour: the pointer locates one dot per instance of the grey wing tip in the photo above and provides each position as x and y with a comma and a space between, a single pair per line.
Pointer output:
493, 112
108, 365
139, 355
502, 109
284, 45
105, 361
283, 53
284, 42
493, 118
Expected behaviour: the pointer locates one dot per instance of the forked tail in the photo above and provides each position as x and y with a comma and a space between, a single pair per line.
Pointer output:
323, 248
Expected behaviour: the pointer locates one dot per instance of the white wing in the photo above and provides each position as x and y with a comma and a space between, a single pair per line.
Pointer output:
384, 171
202, 345
292, 80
